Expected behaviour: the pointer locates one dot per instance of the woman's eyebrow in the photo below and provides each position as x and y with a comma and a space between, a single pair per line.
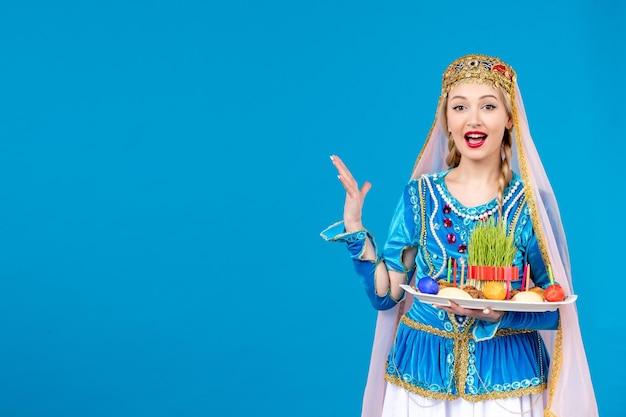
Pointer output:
480, 98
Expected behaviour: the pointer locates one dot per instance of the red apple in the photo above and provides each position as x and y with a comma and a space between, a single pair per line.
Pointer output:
554, 292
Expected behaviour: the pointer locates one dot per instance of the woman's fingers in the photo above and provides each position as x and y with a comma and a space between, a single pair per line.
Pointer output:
348, 181
487, 314
342, 169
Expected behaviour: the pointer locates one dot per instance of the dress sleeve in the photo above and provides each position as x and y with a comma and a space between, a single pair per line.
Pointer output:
402, 229
365, 269
355, 240
546, 320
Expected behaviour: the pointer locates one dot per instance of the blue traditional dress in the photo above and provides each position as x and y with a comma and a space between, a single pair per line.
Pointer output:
439, 355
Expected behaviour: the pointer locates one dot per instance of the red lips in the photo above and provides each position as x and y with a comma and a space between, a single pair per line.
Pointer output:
475, 138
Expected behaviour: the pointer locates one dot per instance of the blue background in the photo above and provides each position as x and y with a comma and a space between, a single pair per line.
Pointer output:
165, 177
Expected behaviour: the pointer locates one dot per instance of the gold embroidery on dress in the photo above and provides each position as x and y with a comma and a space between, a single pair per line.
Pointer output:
517, 215
461, 358
423, 231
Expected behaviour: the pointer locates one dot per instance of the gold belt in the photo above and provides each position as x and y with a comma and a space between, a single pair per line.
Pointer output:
455, 335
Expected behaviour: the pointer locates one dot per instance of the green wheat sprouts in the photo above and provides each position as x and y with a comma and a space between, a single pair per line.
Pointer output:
489, 245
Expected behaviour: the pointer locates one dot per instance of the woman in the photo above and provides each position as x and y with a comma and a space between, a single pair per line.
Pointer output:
478, 162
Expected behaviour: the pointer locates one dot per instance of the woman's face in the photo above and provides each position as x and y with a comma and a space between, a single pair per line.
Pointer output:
477, 117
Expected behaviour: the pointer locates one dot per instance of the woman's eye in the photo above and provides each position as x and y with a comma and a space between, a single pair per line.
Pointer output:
459, 107
489, 106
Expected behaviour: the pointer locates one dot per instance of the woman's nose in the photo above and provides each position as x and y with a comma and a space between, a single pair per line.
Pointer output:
473, 118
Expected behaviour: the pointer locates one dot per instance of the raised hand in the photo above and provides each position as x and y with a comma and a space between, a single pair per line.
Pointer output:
353, 207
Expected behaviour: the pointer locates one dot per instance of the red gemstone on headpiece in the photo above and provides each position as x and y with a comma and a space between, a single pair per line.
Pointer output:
499, 68
451, 238
462, 248
447, 209
447, 222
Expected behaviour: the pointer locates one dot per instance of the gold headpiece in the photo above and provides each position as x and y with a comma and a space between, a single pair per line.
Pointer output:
481, 68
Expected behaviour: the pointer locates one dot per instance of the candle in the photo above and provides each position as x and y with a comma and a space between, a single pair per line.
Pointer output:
455, 272
449, 268
462, 260
524, 274
527, 276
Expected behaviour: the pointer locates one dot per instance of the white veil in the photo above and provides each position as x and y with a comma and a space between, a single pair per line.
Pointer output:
570, 391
